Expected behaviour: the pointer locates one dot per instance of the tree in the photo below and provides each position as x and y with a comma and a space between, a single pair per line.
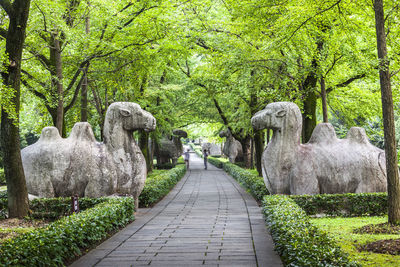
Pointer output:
18, 12
388, 117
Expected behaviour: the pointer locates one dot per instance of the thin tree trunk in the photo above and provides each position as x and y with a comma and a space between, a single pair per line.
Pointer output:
18, 204
84, 88
144, 146
259, 147
59, 83
323, 99
309, 115
246, 151
388, 118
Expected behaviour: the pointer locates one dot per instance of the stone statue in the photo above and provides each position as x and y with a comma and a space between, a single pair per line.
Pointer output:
212, 149
79, 165
232, 147
324, 165
171, 148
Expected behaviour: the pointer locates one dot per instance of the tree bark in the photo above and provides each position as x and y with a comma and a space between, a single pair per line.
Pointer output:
84, 88
324, 100
388, 118
309, 115
246, 146
144, 146
18, 204
259, 148
57, 81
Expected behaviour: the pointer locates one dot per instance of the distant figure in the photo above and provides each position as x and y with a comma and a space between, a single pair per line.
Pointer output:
205, 155
186, 156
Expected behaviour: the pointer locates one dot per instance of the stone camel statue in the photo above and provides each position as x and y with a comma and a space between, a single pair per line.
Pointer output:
324, 165
171, 148
212, 149
79, 165
232, 147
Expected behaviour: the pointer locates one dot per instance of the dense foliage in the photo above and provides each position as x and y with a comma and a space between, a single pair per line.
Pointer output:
298, 242
159, 183
365, 204
65, 238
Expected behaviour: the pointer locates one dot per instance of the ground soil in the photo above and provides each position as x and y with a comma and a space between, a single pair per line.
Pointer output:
11, 224
388, 246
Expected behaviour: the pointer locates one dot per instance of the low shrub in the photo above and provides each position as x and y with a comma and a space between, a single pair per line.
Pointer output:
51, 208
65, 238
159, 184
247, 178
298, 242
362, 204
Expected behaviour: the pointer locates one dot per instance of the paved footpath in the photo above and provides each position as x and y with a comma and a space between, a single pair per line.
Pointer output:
207, 219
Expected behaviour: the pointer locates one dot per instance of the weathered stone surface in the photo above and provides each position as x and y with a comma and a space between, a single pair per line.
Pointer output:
80, 165
212, 149
172, 148
325, 164
232, 147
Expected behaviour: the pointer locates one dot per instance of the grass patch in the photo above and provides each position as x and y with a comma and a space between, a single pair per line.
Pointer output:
342, 230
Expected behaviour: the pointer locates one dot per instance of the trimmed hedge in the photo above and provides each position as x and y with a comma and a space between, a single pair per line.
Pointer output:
65, 238
363, 204
298, 242
247, 178
158, 186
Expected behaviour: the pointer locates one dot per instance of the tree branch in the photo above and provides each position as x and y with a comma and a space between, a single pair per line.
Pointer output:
310, 18
7, 6
345, 83
78, 87
30, 76
3, 33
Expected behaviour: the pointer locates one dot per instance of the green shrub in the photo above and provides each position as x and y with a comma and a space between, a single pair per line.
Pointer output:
65, 238
2, 177
158, 185
363, 204
247, 178
52, 208
298, 242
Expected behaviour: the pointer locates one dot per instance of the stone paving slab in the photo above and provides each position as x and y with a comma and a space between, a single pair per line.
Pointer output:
206, 220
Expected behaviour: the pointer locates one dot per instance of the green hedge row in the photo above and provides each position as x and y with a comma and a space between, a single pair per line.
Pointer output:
65, 238
364, 204
158, 185
298, 242
247, 178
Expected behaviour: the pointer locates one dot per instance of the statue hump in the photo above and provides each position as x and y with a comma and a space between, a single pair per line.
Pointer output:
357, 134
82, 131
323, 133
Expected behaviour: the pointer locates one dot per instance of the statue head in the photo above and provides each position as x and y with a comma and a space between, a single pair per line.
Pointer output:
131, 116
277, 116
225, 133
179, 133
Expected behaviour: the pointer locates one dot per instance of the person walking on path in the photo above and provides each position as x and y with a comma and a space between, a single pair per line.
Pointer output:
205, 155
186, 157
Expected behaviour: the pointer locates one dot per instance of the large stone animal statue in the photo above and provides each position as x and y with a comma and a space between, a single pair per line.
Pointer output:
171, 148
79, 165
212, 149
232, 147
324, 165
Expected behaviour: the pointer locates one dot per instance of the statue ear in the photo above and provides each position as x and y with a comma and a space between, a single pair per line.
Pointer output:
124, 112
281, 113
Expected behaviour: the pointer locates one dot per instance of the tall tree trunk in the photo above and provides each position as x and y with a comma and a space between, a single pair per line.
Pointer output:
144, 146
259, 147
323, 100
246, 146
58, 81
84, 88
309, 115
388, 117
18, 204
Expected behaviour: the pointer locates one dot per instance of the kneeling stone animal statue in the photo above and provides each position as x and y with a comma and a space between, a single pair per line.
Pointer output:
325, 164
79, 165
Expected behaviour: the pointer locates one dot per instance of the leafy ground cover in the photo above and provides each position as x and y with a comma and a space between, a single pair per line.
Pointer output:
345, 233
